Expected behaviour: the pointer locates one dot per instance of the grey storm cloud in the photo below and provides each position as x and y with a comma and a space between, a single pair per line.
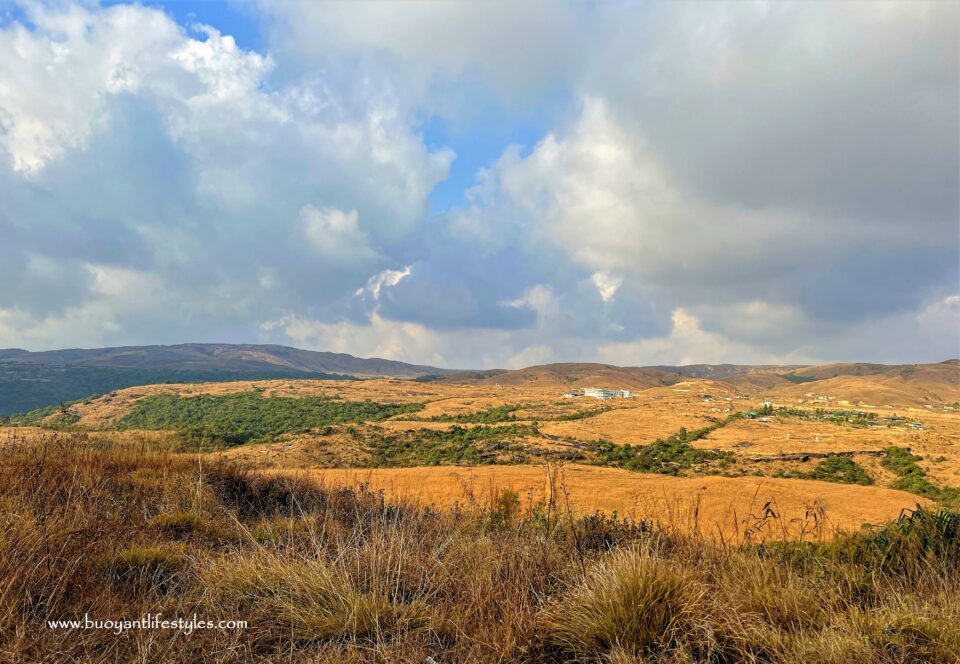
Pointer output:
843, 109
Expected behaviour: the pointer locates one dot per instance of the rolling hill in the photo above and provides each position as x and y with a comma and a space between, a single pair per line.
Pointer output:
724, 371
912, 384
30, 380
219, 357
585, 374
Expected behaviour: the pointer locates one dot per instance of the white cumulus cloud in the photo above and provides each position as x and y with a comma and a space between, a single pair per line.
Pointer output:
606, 284
385, 279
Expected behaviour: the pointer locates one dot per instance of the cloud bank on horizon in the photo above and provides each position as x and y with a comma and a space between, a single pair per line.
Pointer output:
476, 185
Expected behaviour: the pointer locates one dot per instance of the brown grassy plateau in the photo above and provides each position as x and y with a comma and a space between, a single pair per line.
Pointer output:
562, 434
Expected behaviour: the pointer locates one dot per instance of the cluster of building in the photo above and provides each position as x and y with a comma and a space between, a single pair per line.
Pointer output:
816, 397
601, 393
899, 419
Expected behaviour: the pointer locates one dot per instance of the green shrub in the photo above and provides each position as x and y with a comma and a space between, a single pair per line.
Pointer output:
794, 378
900, 461
919, 540
856, 418
51, 417
457, 445
429, 378
912, 478
669, 456
841, 469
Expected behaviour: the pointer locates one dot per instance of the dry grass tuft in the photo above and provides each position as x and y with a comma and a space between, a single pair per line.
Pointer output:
776, 594
308, 600
632, 603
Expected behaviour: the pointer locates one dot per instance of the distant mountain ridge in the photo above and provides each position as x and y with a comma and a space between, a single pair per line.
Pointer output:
571, 374
272, 357
220, 357
720, 371
786, 373
30, 380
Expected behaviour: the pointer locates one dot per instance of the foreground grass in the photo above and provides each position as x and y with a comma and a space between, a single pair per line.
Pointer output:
341, 575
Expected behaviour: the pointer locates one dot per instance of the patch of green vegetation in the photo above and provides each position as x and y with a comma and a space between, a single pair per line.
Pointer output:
918, 541
505, 413
29, 419
918, 484
950, 497
794, 378
857, 418
912, 478
580, 414
249, 416
63, 418
836, 468
51, 417
429, 378
198, 440
668, 457
900, 461
456, 445
26, 387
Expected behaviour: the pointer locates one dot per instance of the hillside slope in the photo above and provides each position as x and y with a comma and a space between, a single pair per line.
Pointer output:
219, 357
912, 385
724, 371
35, 380
585, 374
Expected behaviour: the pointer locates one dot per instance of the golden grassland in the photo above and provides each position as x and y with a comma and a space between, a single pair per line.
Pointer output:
731, 509
655, 412
114, 528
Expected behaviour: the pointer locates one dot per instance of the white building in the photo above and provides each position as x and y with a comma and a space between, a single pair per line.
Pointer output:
603, 393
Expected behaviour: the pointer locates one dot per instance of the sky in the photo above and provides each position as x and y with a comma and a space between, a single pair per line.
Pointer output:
482, 185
